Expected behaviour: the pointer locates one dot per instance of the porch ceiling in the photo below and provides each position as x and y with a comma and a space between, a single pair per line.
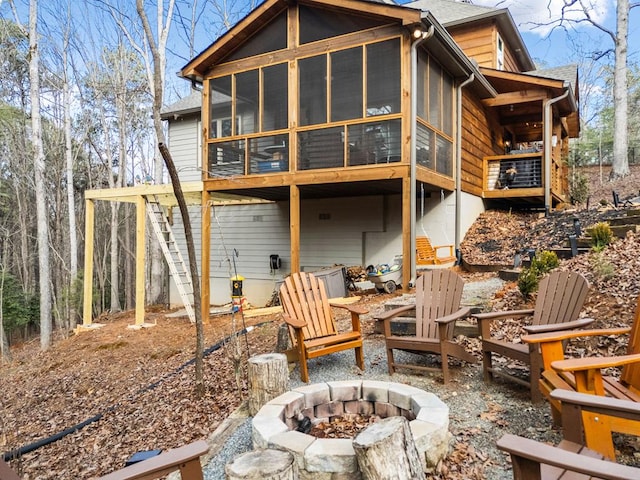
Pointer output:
520, 101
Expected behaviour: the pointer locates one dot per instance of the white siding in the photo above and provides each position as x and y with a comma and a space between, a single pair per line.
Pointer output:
332, 231
185, 146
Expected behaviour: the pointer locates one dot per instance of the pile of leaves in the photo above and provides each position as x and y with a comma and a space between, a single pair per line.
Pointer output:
343, 426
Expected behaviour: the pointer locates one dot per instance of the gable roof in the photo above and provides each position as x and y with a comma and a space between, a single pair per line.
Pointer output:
452, 14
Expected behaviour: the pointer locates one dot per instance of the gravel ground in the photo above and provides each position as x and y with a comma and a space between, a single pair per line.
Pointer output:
479, 413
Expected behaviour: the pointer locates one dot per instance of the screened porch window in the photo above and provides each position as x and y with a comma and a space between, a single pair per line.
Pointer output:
434, 141
349, 86
245, 104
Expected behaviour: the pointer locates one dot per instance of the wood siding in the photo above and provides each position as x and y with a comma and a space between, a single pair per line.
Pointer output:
481, 137
479, 42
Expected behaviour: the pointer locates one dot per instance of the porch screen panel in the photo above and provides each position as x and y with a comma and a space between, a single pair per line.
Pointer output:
313, 90
220, 107
270, 38
226, 159
248, 100
423, 85
321, 148
383, 77
275, 97
375, 142
447, 104
435, 95
268, 154
444, 163
425, 147
346, 84
319, 24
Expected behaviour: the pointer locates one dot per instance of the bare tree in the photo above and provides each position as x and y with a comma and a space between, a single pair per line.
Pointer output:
39, 172
619, 38
158, 49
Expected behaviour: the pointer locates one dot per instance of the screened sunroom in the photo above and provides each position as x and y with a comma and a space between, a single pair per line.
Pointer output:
325, 104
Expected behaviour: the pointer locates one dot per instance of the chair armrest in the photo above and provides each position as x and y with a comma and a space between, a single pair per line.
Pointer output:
461, 313
596, 403
505, 314
357, 309
437, 247
594, 363
394, 312
293, 322
569, 334
551, 343
167, 462
556, 327
524, 448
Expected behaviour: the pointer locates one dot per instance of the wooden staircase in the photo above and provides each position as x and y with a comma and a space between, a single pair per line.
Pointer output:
177, 266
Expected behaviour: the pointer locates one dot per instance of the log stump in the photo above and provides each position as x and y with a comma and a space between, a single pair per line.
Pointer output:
263, 464
268, 379
385, 450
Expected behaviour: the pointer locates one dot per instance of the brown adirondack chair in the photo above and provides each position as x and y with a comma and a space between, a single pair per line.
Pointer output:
579, 454
585, 374
561, 296
427, 254
312, 327
438, 295
186, 459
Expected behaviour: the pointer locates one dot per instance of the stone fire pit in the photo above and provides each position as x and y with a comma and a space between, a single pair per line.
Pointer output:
275, 423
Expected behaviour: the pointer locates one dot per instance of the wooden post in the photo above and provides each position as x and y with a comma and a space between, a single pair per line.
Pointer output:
264, 465
268, 379
386, 450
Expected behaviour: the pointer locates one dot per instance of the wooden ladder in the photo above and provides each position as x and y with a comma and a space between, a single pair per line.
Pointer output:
177, 266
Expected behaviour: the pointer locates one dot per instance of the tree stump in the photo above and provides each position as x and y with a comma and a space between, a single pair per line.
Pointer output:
262, 465
385, 450
268, 379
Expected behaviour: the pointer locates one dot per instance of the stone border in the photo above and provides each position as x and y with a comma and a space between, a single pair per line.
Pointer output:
275, 423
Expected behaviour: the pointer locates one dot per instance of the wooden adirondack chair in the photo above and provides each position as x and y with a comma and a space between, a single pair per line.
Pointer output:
585, 374
427, 254
438, 295
186, 459
579, 454
561, 296
312, 327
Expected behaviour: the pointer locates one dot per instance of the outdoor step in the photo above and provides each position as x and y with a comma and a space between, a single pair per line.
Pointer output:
567, 253
509, 275
620, 231
626, 220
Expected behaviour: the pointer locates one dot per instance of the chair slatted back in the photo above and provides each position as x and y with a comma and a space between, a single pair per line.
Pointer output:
561, 296
438, 294
424, 251
304, 297
631, 373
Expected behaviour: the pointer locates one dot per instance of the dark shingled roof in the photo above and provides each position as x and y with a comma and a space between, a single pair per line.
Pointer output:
568, 73
449, 11
190, 104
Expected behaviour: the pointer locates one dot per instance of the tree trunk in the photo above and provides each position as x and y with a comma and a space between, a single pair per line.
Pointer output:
71, 201
386, 450
620, 165
268, 378
39, 172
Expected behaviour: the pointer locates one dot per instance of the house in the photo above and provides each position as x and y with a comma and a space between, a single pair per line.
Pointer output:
336, 131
